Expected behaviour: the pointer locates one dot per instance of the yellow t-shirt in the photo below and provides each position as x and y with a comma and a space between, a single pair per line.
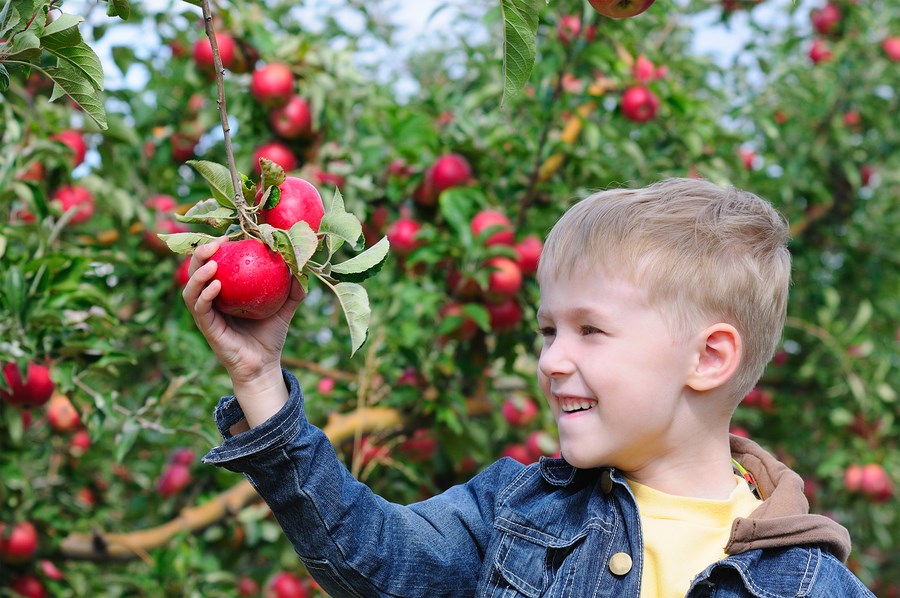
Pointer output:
683, 536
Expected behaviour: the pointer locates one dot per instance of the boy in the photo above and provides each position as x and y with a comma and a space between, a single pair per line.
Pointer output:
659, 309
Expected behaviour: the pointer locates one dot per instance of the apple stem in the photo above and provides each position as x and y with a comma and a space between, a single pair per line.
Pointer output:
247, 222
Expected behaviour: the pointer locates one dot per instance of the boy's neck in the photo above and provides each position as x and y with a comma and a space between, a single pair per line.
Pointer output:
703, 470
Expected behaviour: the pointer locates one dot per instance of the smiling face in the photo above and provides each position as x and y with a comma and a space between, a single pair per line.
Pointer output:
613, 372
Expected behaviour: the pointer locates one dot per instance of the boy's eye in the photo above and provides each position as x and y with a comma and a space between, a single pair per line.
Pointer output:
585, 330
547, 331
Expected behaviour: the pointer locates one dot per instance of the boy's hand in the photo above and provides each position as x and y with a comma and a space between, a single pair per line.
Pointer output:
249, 349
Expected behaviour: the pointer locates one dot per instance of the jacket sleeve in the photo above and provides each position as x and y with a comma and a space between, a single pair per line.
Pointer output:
354, 542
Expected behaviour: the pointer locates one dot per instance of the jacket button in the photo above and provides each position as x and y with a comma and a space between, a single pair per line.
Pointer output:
620, 563
606, 483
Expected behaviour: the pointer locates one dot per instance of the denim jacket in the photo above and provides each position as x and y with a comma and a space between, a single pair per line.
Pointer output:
547, 529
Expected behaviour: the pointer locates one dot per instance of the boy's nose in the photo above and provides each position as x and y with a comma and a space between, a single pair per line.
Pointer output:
554, 360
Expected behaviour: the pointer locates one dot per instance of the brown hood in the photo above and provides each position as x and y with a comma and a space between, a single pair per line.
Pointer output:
783, 519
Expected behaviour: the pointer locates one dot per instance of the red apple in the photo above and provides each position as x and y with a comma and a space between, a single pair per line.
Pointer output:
419, 447
462, 286
255, 280
502, 233
639, 104
758, 397
450, 170
325, 386
875, 483
819, 51
519, 411
891, 47
174, 478
370, 451
292, 120
542, 444
568, 29
34, 172
865, 174
166, 226
286, 585
29, 586
75, 142
276, 152
826, 19
620, 9
299, 200
519, 452
79, 443
183, 145
529, 252
505, 278
247, 587
182, 456
330, 178
852, 118
34, 391
853, 478
504, 316
643, 70
161, 203
424, 193
739, 431
203, 54
748, 157
50, 570
181, 274
18, 544
77, 198
272, 85
402, 235
466, 327
62, 415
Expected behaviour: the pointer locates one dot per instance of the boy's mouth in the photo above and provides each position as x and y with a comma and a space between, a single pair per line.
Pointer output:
575, 404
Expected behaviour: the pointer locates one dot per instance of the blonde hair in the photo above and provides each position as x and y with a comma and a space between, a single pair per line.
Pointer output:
701, 252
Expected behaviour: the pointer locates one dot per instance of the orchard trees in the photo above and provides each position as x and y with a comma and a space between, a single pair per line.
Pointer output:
464, 181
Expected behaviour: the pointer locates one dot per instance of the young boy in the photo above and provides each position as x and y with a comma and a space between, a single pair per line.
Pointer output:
659, 309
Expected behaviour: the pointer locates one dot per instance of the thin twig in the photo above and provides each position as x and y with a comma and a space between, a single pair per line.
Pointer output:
247, 223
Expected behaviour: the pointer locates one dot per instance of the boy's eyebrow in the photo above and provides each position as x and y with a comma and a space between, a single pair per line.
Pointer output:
576, 313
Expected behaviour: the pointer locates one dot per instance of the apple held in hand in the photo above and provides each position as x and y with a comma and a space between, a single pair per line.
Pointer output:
298, 200
255, 280
620, 9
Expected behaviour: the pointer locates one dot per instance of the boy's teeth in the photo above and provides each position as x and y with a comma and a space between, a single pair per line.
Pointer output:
576, 405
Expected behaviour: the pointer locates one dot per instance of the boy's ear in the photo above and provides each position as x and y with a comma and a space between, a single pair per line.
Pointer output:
719, 353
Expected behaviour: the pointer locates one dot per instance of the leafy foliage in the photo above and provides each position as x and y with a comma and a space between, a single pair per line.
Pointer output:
99, 303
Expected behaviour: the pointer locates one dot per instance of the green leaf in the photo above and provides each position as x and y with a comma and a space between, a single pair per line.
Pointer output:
219, 179
118, 8
9, 19
520, 22
83, 58
339, 225
209, 212
4, 78
62, 32
362, 266
26, 46
295, 245
73, 83
272, 173
186, 243
355, 302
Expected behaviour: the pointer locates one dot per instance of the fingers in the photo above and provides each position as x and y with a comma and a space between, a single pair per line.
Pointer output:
203, 253
201, 288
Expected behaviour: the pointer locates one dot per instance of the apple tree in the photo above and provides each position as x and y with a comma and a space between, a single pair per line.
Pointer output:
517, 110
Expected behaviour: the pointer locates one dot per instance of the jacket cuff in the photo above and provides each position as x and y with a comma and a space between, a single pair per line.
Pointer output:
273, 433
